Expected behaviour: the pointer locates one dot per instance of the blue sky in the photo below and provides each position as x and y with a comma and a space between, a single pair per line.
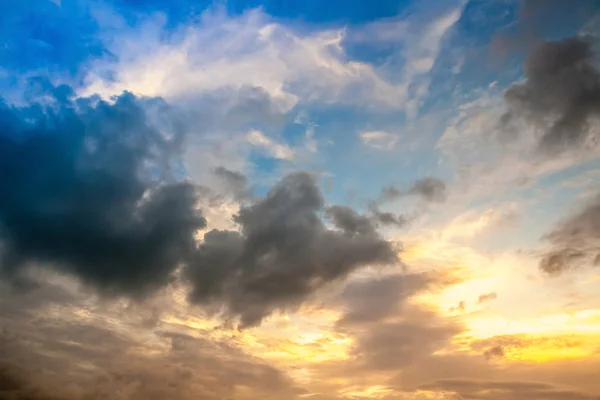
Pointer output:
457, 132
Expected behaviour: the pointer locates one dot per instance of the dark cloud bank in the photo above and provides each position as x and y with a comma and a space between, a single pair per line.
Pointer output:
87, 187
560, 97
575, 241
560, 100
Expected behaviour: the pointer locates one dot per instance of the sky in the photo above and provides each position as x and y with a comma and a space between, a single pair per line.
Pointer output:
288, 200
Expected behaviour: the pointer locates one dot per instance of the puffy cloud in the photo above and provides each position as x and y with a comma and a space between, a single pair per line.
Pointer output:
283, 252
82, 189
87, 188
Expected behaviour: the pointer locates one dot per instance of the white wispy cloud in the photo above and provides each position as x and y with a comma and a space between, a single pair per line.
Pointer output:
378, 139
220, 51
272, 147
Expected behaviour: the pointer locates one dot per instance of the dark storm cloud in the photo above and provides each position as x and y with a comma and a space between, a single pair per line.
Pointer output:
486, 390
574, 242
81, 189
559, 97
283, 252
429, 189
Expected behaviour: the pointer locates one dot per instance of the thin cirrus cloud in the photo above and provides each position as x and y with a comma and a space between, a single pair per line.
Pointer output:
379, 139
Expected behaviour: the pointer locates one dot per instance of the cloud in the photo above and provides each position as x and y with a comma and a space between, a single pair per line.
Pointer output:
560, 97
236, 182
282, 254
429, 189
537, 20
378, 139
388, 218
475, 223
396, 344
494, 352
374, 299
274, 149
574, 242
489, 390
82, 189
484, 298
412, 44
218, 51
390, 331
97, 358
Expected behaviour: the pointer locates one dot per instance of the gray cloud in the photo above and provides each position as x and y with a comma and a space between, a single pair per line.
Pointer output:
559, 98
283, 252
574, 242
387, 218
429, 189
